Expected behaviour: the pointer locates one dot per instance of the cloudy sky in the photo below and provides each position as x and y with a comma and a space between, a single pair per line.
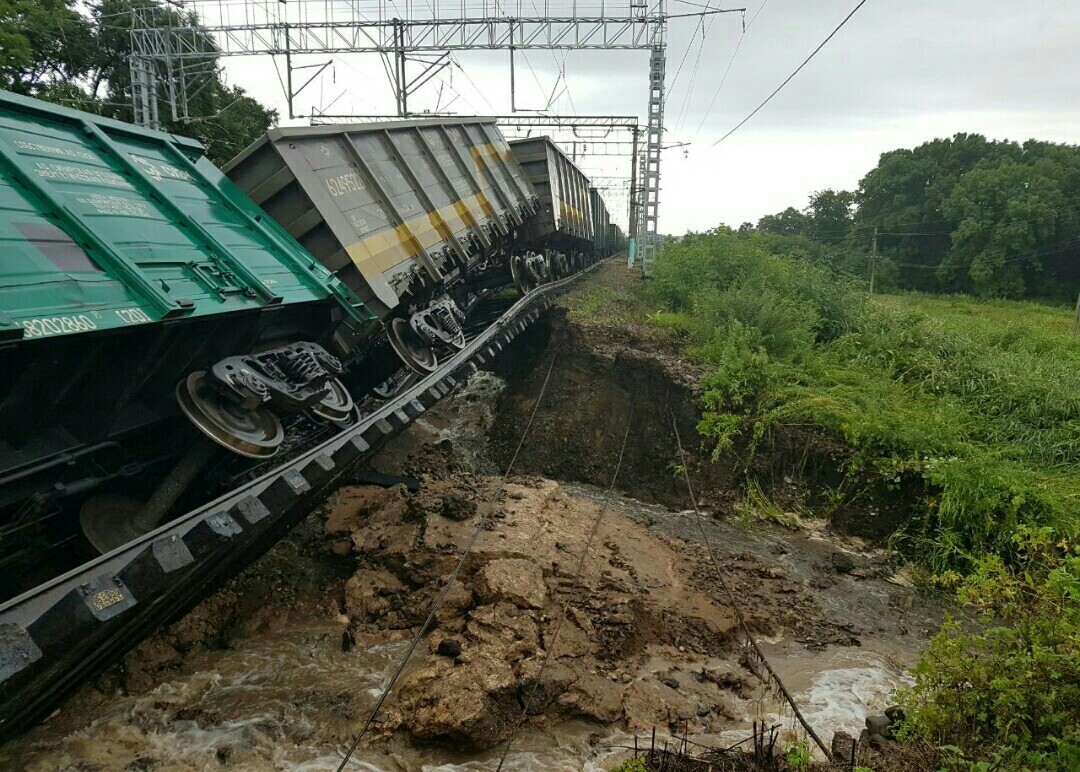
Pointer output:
901, 72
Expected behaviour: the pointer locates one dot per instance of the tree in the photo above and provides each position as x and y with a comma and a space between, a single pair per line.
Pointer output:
830, 214
790, 222
50, 51
42, 42
1004, 211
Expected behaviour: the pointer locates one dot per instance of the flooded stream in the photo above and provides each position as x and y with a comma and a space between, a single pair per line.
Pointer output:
268, 684
290, 698
282, 701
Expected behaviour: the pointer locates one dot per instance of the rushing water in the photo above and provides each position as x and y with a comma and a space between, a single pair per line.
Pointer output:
292, 699
276, 701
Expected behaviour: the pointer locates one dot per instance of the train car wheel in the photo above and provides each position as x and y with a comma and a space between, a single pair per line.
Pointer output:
417, 356
337, 406
520, 274
253, 433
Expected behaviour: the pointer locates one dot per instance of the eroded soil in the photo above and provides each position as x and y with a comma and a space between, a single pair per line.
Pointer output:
281, 667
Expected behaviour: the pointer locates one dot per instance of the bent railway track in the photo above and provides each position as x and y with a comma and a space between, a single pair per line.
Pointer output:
56, 635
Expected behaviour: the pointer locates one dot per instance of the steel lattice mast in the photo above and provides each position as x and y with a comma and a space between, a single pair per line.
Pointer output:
174, 56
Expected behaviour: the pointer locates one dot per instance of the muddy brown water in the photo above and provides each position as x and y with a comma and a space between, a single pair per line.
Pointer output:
279, 699
283, 695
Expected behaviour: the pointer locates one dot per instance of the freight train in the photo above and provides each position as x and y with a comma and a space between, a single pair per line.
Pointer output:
167, 329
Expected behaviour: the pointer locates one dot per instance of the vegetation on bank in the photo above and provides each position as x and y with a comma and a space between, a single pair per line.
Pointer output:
962, 414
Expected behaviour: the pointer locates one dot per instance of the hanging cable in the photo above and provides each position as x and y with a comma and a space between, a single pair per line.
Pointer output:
731, 61
566, 606
789, 78
739, 618
480, 526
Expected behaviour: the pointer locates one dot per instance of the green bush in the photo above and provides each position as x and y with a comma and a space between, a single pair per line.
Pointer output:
1010, 689
974, 406
967, 411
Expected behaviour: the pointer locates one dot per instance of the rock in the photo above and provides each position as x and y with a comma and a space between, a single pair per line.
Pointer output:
878, 725
594, 697
669, 682
515, 580
648, 704
877, 742
448, 648
348, 638
842, 748
463, 706
842, 562
367, 593
895, 714
458, 600
725, 677
455, 506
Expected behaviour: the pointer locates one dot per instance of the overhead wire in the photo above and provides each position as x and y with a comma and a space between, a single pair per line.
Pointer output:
550, 648
705, 25
790, 77
481, 525
739, 618
727, 69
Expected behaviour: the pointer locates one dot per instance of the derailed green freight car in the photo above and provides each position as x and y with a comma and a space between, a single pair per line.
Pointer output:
131, 270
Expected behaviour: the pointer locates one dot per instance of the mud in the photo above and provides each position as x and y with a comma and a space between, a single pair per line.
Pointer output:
281, 667
603, 376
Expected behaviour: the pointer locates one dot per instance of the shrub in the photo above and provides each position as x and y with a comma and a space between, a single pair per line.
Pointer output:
974, 407
1009, 689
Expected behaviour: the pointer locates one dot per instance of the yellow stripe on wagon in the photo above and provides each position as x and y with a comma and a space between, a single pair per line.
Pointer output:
375, 254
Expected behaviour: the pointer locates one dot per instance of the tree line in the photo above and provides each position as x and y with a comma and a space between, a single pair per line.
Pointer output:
963, 214
78, 54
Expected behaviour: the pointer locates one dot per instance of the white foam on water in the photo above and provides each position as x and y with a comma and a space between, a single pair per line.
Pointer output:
840, 699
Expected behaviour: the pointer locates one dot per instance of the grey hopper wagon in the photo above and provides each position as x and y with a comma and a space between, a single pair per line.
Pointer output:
411, 215
564, 222
601, 222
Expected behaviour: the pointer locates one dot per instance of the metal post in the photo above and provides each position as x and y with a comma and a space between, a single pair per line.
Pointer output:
400, 86
288, 71
654, 141
633, 184
144, 92
873, 261
513, 105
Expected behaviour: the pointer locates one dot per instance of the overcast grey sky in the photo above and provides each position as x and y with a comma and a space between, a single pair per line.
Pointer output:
900, 73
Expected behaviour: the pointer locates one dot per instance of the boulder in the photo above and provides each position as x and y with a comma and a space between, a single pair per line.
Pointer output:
463, 706
368, 591
448, 648
595, 697
648, 704
514, 580
842, 749
842, 562
878, 725
455, 506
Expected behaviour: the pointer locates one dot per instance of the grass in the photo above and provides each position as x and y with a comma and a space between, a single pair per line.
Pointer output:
963, 415
970, 409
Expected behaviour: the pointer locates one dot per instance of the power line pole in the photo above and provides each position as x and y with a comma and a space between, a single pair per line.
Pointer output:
873, 261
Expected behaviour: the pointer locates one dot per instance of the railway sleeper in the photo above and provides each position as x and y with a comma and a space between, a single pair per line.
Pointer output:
58, 634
